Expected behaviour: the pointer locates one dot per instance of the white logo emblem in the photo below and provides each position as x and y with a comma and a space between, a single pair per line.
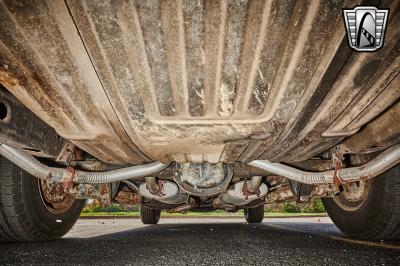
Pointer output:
365, 27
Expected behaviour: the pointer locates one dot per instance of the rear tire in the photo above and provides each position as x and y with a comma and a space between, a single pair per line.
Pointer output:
254, 215
24, 215
149, 216
375, 214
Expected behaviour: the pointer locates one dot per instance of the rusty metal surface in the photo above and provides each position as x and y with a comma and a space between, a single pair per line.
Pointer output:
54, 198
101, 192
194, 81
127, 198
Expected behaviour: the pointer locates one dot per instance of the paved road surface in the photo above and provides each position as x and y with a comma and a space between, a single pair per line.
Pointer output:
294, 241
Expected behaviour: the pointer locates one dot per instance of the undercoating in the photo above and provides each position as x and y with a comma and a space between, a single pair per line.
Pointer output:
196, 81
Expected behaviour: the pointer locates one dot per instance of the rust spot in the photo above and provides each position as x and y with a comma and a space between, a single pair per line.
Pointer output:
337, 180
160, 189
105, 190
68, 182
248, 193
127, 197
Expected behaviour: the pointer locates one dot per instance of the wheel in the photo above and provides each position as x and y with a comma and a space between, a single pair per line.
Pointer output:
30, 210
368, 209
149, 216
254, 215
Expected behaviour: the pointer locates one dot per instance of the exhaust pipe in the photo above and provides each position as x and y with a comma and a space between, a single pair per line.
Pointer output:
152, 185
375, 167
254, 183
31, 165
380, 164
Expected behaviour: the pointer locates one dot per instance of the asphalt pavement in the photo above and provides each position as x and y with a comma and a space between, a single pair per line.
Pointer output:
186, 241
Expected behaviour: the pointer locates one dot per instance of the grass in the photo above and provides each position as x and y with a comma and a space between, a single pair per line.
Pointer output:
135, 214
288, 209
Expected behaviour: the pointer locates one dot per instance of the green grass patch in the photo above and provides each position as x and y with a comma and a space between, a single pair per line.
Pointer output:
287, 209
197, 214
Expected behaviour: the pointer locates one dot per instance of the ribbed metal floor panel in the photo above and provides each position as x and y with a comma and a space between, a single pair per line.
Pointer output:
132, 81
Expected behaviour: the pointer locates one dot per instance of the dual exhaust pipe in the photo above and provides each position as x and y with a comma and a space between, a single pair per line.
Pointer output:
30, 164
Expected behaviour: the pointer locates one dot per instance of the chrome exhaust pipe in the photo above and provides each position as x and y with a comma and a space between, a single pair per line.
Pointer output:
31, 165
375, 167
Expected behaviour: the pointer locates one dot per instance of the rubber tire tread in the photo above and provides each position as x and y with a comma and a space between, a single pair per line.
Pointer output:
149, 216
254, 215
378, 217
23, 215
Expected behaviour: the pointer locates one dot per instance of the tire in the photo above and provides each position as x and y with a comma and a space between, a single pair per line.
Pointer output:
24, 215
149, 216
254, 215
375, 214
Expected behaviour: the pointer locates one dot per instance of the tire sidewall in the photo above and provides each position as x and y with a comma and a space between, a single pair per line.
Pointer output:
50, 225
375, 209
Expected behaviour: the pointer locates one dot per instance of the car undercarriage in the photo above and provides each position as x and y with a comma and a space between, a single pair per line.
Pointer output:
184, 105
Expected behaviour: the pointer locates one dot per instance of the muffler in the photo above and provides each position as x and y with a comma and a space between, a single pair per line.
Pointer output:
163, 191
243, 192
